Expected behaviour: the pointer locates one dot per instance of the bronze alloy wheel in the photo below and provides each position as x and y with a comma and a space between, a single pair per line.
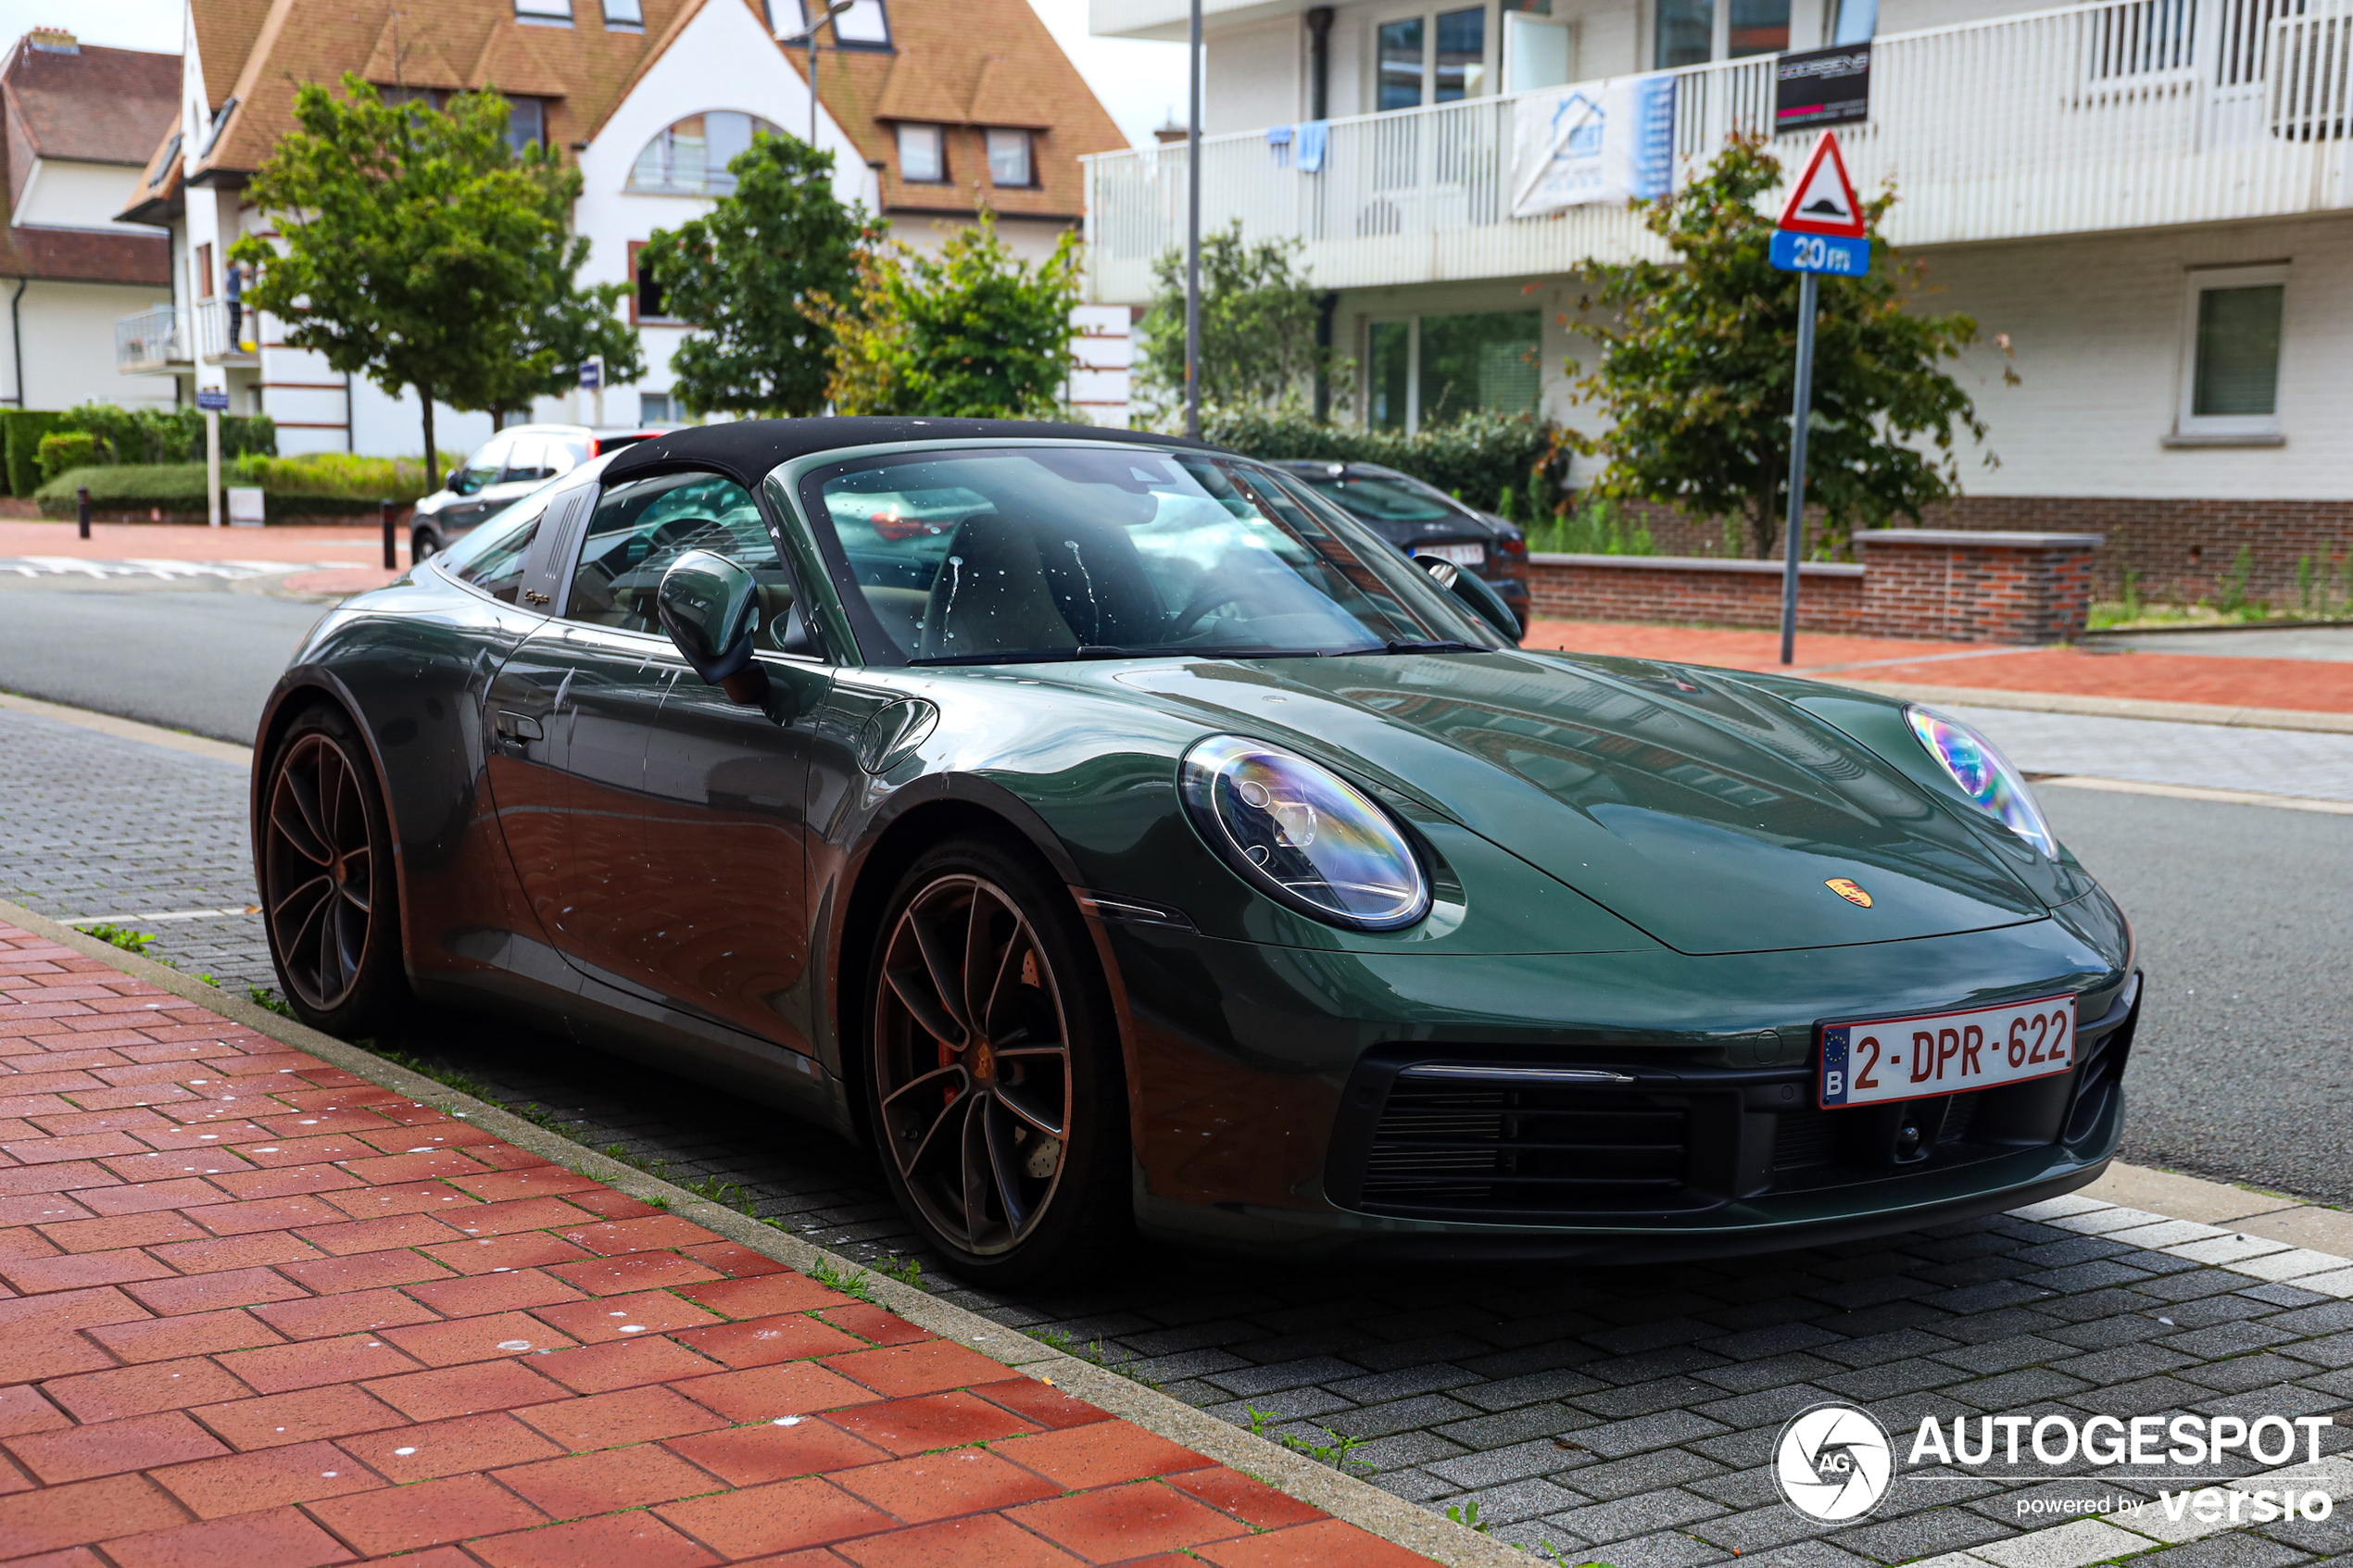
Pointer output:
972, 1063
320, 865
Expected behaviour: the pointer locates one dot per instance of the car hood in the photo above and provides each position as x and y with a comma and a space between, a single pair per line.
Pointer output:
1712, 816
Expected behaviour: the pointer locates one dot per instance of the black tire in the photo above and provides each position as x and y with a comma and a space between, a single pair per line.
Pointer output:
424, 545
1003, 1202
330, 895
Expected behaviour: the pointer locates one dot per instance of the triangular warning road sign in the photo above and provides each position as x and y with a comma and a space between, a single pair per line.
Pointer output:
1823, 201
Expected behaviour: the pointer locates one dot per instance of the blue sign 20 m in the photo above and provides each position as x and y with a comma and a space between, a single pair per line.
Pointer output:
1821, 253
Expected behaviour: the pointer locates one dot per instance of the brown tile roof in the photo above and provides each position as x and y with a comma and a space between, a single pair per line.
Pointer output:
96, 106
86, 256
972, 63
225, 32
971, 60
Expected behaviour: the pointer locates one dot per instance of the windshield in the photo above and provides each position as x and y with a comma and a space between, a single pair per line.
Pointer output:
1386, 498
1036, 553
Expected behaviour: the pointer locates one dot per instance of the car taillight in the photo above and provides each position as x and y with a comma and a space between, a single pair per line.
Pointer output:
1512, 548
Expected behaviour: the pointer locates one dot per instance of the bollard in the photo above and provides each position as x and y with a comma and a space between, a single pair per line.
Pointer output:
391, 558
82, 498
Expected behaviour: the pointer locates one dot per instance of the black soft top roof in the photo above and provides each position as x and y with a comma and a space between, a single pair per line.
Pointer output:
746, 450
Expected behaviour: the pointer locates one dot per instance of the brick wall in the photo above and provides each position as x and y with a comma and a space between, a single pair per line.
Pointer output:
1940, 586
2184, 549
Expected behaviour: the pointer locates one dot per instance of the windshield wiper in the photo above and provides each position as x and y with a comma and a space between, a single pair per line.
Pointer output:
1430, 647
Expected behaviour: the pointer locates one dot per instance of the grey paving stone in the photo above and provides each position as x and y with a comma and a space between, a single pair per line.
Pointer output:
1495, 1466
1517, 1425
1414, 1485
1641, 1515
1645, 1398
2128, 1361
1406, 1449
2012, 1390
1616, 1439
2146, 1397
1876, 1348
2227, 1339
1756, 1529
1668, 1548
1925, 1534
1428, 1378
1253, 1381
1511, 1503
1527, 1388
2235, 1549
1805, 1554
1660, 1467
1399, 1416
1891, 1378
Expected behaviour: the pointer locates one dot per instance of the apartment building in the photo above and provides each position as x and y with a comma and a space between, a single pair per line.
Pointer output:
930, 106
78, 121
2151, 199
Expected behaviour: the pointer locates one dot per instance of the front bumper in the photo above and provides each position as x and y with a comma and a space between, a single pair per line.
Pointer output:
1459, 1115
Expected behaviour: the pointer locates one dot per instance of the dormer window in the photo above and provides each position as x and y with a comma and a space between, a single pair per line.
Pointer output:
690, 159
1009, 160
921, 158
546, 13
624, 13
866, 25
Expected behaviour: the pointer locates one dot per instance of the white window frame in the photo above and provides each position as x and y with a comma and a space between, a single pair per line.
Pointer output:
2196, 428
544, 13
940, 149
1029, 142
625, 14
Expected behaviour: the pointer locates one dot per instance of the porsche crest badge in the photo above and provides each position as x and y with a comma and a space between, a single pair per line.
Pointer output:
1849, 889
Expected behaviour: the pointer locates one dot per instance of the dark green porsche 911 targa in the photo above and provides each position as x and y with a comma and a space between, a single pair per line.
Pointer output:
1110, 833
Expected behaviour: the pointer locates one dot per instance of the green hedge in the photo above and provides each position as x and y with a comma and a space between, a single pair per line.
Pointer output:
20, 433
1477, 458
179, 488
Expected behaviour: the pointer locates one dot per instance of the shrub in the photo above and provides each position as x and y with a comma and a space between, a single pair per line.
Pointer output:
24, 428
1476, 458
340, 474
1597, 528
63, 449
165, 436
179, 488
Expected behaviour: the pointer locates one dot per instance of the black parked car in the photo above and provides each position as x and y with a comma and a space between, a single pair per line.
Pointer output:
1422, 520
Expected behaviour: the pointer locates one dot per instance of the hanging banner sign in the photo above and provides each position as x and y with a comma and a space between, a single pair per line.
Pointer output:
1610, 141
1823, 87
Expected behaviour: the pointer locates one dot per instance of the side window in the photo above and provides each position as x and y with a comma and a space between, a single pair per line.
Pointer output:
527, 460
641, 527
496, 565
483, 467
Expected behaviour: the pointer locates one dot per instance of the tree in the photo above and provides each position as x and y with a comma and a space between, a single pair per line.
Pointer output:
1698, 364
415, 246
973, 333
741, 273
566, 326
1258, 318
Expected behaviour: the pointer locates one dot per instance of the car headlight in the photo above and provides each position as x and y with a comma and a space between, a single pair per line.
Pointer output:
1985, 777
1304, 835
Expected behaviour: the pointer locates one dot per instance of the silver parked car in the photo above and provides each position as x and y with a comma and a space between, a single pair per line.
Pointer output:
509, 466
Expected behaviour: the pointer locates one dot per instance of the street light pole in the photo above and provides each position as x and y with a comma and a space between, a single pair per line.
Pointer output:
1192, 236
809, 36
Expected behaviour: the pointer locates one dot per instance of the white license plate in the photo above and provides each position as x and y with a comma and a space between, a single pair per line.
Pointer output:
1942, 1053
1461, 554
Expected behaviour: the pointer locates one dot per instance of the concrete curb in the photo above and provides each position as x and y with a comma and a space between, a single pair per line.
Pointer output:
2112, 707
1344, 1496
129, 729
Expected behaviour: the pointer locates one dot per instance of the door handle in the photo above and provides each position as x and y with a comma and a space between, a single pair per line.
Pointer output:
532, 595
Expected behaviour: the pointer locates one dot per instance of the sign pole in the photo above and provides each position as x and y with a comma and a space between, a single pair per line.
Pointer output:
1809, 287
213, 466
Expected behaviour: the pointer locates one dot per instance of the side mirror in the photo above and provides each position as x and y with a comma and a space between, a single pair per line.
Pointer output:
1472, 589
711, 607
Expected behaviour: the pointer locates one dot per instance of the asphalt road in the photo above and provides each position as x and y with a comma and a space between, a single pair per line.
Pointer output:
2243, 1064
194, 658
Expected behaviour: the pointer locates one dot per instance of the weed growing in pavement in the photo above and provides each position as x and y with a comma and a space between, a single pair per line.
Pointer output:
1337, 1453
122, 936
1467, 1515
265, 998
726, 1194
1067, 1343
906, 1271
448, 1077
851, 1282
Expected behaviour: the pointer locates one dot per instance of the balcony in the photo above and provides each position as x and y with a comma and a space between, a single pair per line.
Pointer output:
149, 342
214, 345
2124, 115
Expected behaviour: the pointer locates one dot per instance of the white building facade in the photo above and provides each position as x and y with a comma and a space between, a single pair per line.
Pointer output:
2151, 200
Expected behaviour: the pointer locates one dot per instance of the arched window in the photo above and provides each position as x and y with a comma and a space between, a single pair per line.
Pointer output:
691, 157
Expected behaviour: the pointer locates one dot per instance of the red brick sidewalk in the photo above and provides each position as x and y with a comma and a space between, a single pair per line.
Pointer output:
307, 543
262, 1313
2307, 685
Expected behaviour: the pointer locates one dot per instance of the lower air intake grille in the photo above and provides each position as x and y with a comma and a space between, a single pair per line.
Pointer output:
1526, 1147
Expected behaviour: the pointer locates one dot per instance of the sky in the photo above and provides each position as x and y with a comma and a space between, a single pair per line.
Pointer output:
1141, 84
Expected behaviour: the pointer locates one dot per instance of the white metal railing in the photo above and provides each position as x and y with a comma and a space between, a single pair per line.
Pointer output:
2115, 115
214, 343
149, 340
